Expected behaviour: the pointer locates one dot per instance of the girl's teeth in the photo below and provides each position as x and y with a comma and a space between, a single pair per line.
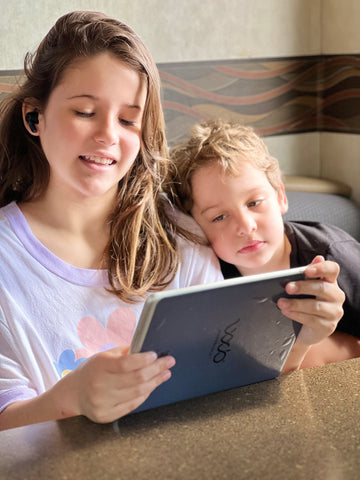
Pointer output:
101, 160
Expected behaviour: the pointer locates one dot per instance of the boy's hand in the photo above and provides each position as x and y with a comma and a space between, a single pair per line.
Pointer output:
319, 315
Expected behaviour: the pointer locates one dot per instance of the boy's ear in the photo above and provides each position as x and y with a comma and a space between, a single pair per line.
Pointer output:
30, 114
282, 199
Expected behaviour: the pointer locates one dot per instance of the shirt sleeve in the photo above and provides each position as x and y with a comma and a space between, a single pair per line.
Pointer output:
309, 239
14, 383
199, 265
347, 255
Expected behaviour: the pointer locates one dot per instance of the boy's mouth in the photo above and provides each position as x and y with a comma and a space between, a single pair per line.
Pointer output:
251, 247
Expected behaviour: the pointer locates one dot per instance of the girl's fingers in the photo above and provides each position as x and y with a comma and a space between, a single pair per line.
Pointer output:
144, 375
122, 401
116, 362
114, 382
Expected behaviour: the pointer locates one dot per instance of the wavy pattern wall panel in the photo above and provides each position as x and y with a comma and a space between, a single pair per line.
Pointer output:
275, 95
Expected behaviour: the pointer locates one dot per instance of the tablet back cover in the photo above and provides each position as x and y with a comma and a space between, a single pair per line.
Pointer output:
221, 338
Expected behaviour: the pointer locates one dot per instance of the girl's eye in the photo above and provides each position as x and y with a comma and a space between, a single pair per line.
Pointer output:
84, 114
127, 123
219, 218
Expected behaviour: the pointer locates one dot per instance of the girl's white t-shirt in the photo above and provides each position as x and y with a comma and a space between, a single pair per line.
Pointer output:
54, 315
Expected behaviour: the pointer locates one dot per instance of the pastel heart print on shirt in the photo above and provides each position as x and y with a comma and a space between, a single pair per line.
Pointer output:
95, 338
67, 363
118, 332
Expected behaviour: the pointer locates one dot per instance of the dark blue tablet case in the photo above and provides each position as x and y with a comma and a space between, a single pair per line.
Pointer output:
223, 335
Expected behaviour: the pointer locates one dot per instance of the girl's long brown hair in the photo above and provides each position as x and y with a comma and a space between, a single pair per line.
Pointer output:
142, 253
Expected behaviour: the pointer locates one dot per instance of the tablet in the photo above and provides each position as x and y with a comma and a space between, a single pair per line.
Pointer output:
223, 335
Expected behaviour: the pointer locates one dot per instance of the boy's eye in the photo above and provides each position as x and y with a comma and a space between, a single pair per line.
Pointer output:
219, 218
254, 203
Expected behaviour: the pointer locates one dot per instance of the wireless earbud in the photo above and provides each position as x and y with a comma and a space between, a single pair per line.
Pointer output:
32, 118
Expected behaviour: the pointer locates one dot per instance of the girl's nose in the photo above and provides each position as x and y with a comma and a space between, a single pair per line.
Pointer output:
107, 132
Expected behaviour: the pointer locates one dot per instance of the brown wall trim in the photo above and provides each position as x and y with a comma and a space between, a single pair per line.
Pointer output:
275, 95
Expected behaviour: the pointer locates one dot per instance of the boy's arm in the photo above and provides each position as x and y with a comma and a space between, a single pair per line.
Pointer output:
320, 315
296, 357
338, 347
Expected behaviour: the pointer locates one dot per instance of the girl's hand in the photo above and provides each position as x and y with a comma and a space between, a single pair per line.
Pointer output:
104, 388
113, 383
319, 315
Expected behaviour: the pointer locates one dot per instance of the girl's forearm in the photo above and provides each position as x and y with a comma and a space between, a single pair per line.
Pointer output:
54, 404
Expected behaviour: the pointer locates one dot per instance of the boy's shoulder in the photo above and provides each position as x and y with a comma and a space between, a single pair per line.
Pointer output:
310, 232
309, 239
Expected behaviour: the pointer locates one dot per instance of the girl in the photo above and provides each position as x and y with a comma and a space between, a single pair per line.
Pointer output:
85, 232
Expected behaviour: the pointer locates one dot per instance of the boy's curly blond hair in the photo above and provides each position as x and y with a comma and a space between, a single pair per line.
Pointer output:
228, 144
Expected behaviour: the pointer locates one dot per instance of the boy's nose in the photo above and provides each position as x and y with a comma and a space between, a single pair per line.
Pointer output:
245, 224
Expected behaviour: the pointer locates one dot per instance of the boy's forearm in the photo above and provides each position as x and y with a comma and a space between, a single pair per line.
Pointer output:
296, 357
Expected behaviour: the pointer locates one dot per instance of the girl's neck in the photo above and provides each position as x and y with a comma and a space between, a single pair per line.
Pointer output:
77, 232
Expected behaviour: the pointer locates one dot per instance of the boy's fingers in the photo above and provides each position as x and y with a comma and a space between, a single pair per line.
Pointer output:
322, 290
317, 288
317, 259
310, 310
326, 270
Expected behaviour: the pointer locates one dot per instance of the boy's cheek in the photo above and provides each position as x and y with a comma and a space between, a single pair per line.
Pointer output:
219, 247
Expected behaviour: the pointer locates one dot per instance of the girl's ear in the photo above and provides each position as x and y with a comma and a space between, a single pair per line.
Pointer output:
282, 199
30, 117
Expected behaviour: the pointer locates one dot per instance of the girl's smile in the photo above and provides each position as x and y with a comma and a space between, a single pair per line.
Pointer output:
97, 160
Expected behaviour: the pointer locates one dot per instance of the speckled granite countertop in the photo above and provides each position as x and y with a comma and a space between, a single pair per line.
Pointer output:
304, 425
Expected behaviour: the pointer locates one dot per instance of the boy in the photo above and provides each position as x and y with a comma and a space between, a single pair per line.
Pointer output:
225, 178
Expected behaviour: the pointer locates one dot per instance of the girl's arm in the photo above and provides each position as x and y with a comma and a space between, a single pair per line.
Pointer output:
103, 388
